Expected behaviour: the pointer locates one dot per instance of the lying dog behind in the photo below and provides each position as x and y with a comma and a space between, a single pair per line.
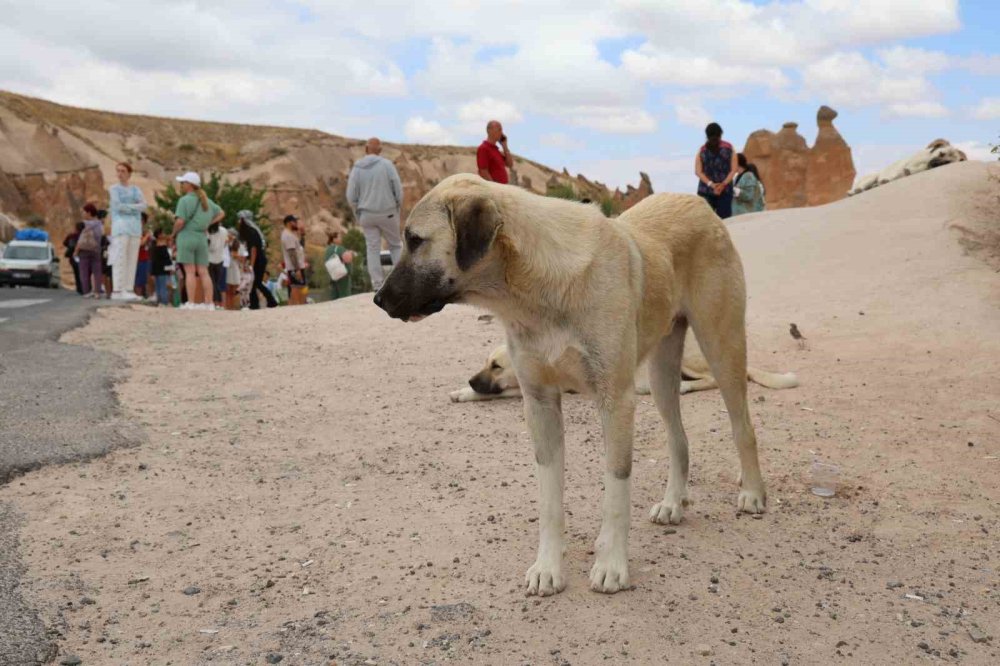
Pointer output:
497, 379
584, 300
937, 153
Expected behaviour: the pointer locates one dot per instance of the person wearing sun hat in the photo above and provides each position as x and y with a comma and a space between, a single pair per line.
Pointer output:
195, 212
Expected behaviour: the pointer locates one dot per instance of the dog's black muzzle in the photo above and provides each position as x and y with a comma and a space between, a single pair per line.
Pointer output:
404, 295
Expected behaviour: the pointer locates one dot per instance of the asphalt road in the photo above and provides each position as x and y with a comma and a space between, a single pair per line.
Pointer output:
56, 405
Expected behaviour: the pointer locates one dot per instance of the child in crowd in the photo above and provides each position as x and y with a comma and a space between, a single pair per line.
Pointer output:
162, 266
234, 273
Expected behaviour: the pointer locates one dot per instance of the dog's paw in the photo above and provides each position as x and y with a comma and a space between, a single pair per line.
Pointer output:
752, 500
669, 511
609, 574
456, 396
544, 578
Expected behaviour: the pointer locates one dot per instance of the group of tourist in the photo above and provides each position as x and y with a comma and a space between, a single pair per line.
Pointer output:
199, 263
726, 180
203, 265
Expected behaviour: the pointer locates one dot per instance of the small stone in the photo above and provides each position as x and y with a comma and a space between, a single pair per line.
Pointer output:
978, 635
704, 650
841, 644
923, 646
779, 620
70, 660
143, 466
274, 658
714, 580
87, 601
971, 444
669, 531
892, 585
191, 590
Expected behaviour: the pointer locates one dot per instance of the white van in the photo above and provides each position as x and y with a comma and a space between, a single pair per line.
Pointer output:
29, 263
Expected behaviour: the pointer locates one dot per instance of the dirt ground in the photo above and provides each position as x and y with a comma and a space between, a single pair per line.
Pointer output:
308, 492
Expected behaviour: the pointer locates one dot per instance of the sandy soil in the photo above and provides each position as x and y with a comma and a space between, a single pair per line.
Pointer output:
306, 473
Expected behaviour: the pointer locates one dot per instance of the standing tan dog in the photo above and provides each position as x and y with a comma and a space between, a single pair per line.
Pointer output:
585, 300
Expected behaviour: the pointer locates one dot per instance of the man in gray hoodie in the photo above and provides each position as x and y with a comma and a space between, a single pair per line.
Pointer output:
376, 194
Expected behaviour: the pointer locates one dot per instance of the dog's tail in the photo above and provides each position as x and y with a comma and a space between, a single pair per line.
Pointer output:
773, 380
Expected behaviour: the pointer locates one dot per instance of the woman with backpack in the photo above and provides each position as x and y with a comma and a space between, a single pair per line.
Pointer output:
88, 252
748, 189
70, 244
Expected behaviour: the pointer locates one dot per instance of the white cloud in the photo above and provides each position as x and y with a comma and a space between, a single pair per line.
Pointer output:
692, 114
612, 119
561, 141
419, 130
474, 115
648, 63
987, 109
784, 34
917, 110
562, 83
851, 80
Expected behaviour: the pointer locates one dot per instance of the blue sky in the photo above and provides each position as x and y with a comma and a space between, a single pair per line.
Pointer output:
605, 88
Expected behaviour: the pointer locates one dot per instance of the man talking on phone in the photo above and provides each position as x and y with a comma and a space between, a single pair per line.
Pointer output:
492, 163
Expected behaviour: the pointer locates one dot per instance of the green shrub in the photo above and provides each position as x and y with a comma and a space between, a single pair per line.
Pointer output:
186, 147
562, 191
232, 197
354, 240
610, 207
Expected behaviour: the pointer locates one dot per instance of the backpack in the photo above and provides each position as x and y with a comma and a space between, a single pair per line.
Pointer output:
88, 241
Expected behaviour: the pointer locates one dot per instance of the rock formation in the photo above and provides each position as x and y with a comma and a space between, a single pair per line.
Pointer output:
795, 174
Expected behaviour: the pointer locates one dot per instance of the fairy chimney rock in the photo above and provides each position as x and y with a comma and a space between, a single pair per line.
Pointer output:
831, 167
795, 174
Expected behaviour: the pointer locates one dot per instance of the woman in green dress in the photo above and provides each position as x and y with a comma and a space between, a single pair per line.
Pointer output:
748, 188
341, 287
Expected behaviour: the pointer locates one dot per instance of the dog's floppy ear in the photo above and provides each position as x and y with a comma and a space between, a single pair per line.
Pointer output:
476, 222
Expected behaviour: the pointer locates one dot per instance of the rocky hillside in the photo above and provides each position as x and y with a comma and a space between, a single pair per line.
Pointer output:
55, 158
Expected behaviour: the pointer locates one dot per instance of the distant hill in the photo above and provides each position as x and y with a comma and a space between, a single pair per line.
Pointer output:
55, 158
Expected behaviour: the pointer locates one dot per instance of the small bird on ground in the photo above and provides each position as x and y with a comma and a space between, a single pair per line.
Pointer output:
796, 334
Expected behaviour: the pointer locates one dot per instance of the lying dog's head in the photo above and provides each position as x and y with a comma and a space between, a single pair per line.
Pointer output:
449, 250
497, 376
940, 152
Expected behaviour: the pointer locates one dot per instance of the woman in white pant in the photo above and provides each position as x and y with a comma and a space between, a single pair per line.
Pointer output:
127, 206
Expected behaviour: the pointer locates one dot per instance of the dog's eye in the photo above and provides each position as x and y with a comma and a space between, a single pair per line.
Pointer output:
495, 366
413, 242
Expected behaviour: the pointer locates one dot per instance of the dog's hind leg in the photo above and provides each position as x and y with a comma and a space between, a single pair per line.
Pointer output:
721, 331
665, 381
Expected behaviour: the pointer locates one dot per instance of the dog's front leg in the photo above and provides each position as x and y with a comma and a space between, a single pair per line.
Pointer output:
610, 571
543, 412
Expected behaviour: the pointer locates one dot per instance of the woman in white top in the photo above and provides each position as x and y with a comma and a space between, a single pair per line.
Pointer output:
127, 206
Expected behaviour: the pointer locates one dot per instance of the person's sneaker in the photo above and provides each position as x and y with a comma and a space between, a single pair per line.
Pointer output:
188, 306
130, 296
209, 307
119, 296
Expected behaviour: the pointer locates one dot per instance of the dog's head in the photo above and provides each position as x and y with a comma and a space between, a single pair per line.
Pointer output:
449, 250
497, 376
940, 152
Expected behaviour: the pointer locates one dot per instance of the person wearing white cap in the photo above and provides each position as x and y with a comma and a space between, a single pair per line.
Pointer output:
127, 206
195, 212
